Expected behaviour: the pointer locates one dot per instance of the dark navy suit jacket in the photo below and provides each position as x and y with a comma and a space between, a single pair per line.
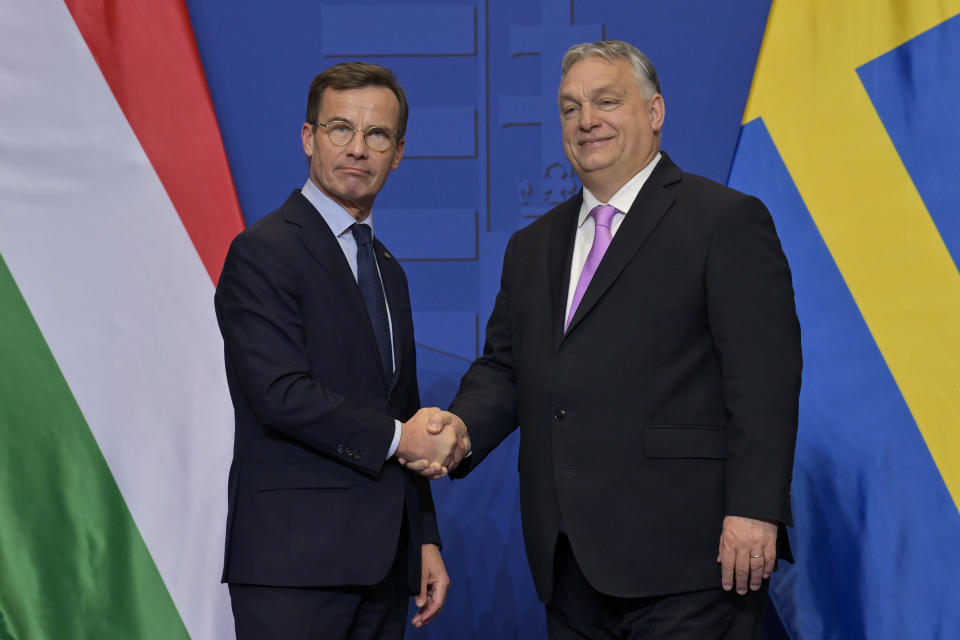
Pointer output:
312, 502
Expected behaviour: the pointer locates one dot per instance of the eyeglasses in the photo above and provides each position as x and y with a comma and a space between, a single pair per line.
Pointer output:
340, 134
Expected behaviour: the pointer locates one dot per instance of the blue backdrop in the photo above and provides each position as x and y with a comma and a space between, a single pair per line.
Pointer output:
483, 159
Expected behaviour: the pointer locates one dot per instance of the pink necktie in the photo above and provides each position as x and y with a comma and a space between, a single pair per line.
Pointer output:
603, 215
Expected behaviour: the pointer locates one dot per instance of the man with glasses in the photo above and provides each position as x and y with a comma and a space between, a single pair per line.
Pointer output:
327, 535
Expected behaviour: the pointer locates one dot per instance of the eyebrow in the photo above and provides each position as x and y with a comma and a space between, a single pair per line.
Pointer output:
347, 121
607, 88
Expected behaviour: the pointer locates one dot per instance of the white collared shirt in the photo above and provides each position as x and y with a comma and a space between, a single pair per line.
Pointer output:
586, 225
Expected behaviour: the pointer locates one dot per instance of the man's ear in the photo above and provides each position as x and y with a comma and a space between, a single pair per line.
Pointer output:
657, 112
306, 134
398, 155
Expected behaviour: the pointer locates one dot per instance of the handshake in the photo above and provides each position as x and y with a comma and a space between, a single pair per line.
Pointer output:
432, 443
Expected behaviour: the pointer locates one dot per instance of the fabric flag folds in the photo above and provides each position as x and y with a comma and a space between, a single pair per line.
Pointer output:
116, 209
850, 138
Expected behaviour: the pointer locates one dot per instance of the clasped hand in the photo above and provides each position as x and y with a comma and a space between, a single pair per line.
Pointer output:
433, 442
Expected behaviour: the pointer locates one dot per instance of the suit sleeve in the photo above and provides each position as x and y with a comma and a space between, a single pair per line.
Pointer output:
486, 399
430, 531
754, 326
257, 304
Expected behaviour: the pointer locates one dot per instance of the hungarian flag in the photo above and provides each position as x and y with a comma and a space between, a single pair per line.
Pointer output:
116, 210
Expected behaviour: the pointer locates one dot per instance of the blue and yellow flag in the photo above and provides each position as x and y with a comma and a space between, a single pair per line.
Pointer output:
852, 138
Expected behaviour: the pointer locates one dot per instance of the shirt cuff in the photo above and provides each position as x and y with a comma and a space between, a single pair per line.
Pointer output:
396, 440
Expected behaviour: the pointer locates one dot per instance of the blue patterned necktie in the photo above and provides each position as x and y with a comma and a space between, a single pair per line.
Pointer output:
372, 291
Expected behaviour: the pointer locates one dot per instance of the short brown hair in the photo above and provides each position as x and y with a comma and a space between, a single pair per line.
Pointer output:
356, 75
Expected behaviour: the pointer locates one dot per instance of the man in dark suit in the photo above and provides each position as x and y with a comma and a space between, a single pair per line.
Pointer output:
327, 535
645, 340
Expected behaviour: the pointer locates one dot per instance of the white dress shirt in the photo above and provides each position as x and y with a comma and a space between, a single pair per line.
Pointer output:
586, 225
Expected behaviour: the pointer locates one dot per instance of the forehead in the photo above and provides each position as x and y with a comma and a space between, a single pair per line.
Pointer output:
595, 74
371, 103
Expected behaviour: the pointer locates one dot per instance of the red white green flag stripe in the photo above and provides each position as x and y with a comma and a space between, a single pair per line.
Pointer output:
116, 208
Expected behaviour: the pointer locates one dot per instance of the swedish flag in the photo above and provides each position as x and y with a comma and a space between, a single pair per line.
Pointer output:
852, 138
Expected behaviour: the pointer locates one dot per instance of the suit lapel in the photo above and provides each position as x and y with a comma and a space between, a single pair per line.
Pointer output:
319, 241
563, 234
648, 208
392, 285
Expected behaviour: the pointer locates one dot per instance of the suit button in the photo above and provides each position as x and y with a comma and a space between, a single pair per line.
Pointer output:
560, 415
339, 448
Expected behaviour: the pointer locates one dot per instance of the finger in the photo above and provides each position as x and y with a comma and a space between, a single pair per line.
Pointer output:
727, 558
438, 595
463, 448
438, 421
457, 458
769, 558
741, 571
449, 445
756, 569
417, 466
434, 472
453, 459
421, 598
418, 620
448, 461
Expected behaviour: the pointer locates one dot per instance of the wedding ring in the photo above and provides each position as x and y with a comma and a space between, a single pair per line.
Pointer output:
759, 556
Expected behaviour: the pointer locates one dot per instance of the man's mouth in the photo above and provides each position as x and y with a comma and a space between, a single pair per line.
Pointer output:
353, 171
592, 142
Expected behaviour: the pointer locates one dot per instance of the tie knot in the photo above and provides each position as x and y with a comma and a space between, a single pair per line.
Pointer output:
361, 233
603, 214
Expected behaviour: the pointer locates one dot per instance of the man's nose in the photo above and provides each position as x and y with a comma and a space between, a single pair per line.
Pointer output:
357, 147
588, 117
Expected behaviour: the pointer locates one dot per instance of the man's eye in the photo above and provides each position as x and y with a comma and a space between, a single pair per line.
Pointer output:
340, 129
608, 104
378, 134
566, 112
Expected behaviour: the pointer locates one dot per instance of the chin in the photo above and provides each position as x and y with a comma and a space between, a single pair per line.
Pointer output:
590, 166
352, 190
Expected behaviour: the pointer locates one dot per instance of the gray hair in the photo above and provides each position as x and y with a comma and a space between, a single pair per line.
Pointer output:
612, 50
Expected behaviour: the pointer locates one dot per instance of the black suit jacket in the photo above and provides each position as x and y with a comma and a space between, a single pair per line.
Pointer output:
671, 400
312, 502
